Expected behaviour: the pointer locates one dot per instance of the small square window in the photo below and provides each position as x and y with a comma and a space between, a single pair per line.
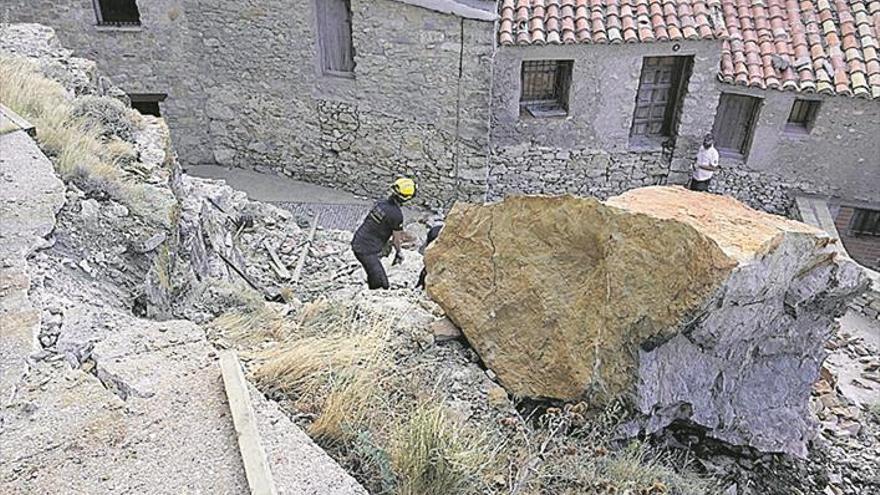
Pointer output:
117, 13
865, 222
147, 104
803, 114
545, 87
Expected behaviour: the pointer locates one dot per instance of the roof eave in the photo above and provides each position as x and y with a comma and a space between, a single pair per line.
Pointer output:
455, 8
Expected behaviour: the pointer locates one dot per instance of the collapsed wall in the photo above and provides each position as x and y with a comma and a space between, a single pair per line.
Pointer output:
692, 306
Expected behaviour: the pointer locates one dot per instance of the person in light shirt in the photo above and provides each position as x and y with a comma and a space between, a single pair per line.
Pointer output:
705, 166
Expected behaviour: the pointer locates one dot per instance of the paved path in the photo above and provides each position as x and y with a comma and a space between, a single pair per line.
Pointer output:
339, 209
30, 195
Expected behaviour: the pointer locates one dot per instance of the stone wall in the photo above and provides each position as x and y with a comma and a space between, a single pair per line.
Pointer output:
406, 111
245, 88
589, 151
840, 157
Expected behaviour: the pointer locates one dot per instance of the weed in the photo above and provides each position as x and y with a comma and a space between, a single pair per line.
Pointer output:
105, 113
253, 324
432, 455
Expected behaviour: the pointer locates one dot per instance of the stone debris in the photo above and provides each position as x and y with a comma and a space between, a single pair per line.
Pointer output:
692, 303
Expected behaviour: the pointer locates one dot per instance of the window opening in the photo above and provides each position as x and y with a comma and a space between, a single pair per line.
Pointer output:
147, 103
545, 87
803, 114
865, 222
117, 13
334, 37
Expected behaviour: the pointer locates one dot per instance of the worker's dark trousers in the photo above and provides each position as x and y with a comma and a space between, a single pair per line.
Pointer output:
376, 277
700, 185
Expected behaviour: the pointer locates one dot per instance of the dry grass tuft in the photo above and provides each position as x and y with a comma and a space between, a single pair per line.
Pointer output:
332, 365
432, 455
108, 114
347, 409
634, 469
250, 327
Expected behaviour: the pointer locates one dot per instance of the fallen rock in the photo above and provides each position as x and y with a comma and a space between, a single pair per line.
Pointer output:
698, 307
443, 330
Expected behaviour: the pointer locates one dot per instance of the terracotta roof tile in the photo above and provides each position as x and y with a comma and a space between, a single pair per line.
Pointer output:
608, 21
826, 46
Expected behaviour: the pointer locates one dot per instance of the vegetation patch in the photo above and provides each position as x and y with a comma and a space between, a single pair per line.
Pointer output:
83, 149
358, 377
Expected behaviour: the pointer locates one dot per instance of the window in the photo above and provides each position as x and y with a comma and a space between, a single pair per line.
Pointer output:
658, 101
117, 13
545, 86
147, 104
865, 222
803, 114
334, 37
734, 122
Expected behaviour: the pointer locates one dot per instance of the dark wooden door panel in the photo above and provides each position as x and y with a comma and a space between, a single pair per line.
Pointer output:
734, 120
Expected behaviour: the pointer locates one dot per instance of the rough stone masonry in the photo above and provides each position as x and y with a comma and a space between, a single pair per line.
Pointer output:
692, 306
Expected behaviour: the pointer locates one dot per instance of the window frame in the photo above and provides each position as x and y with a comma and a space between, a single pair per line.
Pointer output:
681, 70
557, 105
103, 23
156, 98
321, 42
855, 229
810, 114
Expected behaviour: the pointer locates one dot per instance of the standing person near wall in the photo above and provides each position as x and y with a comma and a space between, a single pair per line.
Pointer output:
705, 166
384, 222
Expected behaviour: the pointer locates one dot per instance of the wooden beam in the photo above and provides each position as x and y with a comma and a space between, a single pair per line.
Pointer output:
256, 467
305, 253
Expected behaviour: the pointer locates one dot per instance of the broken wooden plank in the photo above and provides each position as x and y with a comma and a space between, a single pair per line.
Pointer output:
302, 258
277, 265
18, 121
256, 467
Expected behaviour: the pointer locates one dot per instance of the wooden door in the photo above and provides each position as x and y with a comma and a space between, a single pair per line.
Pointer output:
734, 122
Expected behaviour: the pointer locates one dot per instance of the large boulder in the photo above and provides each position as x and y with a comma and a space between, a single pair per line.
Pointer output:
692, 306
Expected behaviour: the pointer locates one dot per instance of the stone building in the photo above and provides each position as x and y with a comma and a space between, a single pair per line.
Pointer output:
478, 99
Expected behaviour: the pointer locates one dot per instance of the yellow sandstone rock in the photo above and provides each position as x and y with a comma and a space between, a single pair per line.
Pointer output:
687, 303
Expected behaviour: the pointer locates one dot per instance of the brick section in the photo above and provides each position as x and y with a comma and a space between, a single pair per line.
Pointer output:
864, 249
824, 46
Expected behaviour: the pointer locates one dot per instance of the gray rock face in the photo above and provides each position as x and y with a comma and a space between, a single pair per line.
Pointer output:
743, 367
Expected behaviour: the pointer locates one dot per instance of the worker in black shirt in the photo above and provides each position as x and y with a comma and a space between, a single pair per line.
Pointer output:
385, 221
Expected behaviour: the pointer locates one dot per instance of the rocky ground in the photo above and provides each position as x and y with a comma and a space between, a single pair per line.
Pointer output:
114, 308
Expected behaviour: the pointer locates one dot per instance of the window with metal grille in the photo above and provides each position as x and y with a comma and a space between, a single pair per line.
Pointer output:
334, 37
147, 103
545, 87
803, 114
658, 101
865, 222
117, 13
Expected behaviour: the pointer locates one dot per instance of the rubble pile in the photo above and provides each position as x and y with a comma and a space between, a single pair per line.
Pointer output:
699, 308
691, 306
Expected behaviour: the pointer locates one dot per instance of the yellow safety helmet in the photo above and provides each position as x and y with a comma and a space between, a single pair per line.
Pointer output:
404, 188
